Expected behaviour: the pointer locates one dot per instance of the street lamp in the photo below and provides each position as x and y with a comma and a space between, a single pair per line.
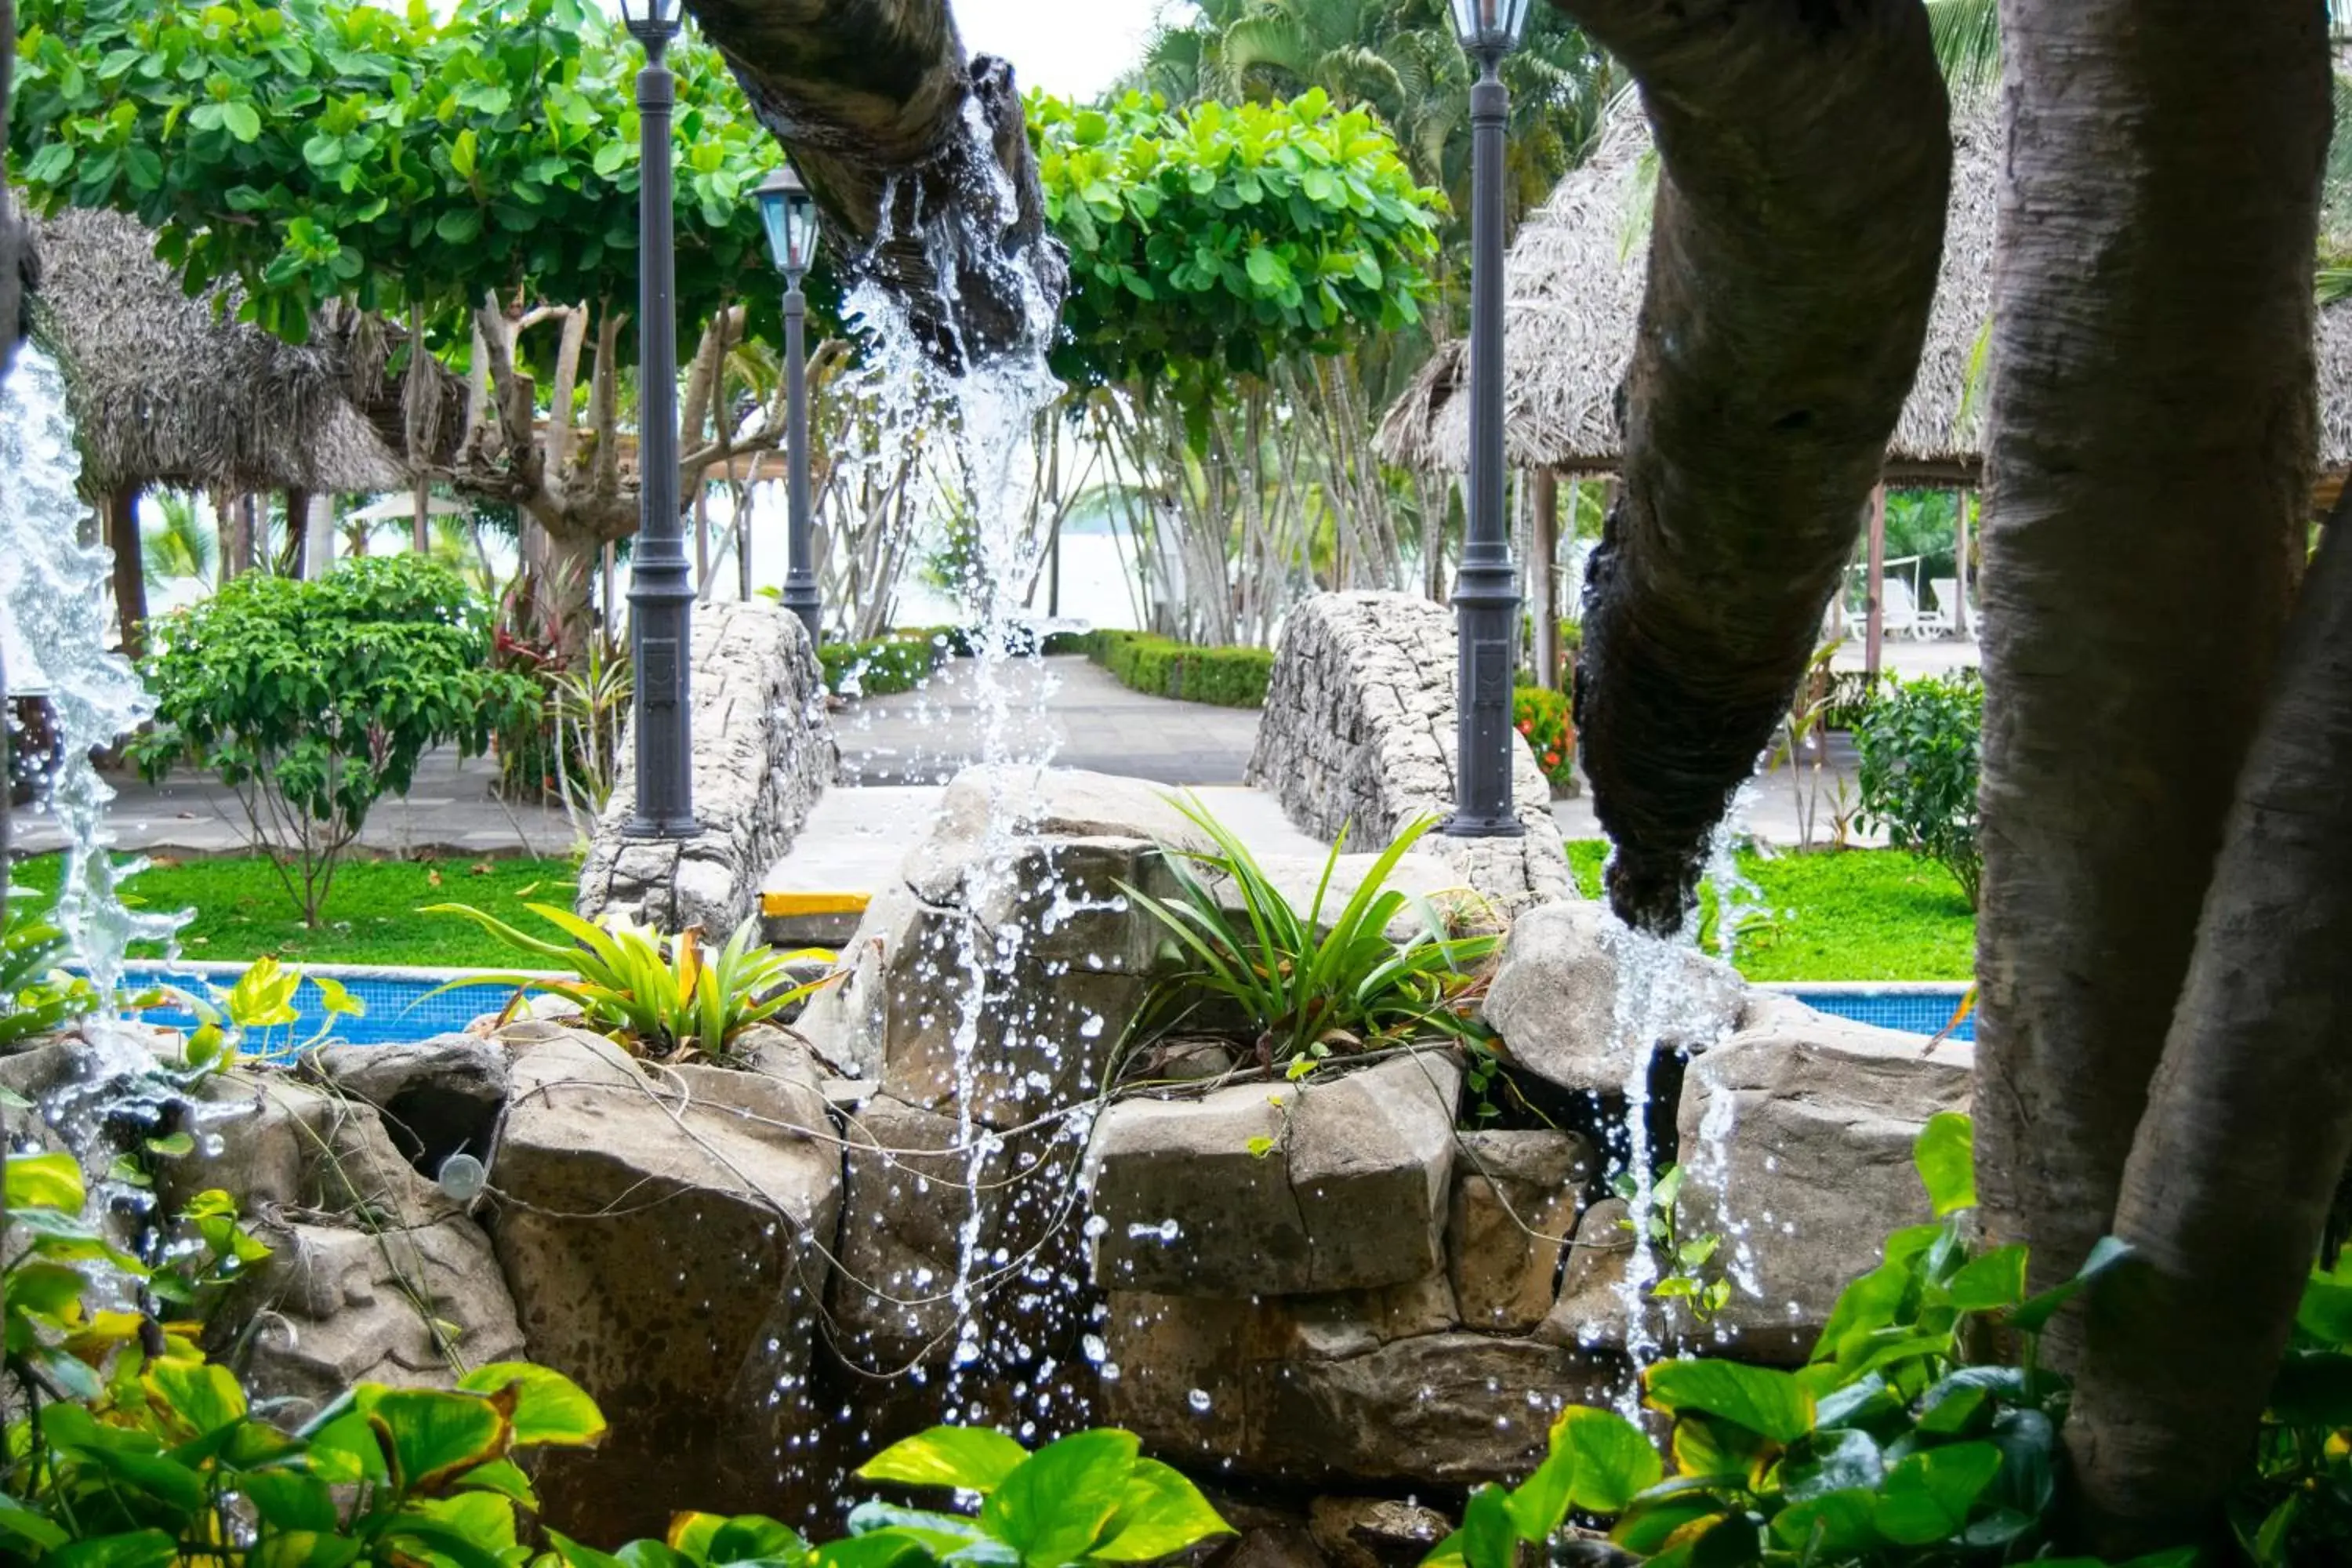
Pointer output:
1485, 590
661, 588
790, 213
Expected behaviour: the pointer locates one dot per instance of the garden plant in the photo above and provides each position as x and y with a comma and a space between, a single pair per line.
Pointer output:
1922, 743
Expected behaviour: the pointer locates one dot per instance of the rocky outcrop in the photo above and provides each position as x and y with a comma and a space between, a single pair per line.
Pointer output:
665, 1235
1358, 733
1797, 1140
1516, 1196
1586, 1003
763, 751
1337, 1182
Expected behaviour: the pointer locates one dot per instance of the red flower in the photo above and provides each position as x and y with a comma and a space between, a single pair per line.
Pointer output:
1551, 759
1527, 727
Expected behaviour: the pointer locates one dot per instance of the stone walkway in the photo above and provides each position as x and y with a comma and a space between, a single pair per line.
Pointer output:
1087, 720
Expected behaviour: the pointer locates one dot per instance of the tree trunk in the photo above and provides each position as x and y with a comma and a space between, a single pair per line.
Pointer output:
2146, 472
1543, 577
122, 509
19, 267
869, 98
2249, 1121
1789, 288
1874, 589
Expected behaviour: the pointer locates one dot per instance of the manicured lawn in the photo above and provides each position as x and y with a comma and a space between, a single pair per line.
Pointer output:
1864, 914
242, 912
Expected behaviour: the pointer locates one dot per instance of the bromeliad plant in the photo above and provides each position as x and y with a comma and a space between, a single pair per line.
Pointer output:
1308, 985
1893, 1447
662, 997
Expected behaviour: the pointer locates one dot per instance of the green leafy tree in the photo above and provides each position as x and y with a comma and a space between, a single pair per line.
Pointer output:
474, 179
313, 700
1216, 240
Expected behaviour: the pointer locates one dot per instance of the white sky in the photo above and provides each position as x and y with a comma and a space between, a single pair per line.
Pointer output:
1072, 49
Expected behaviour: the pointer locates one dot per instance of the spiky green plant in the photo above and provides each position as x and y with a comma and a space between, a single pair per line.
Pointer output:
663, 996
1310, 986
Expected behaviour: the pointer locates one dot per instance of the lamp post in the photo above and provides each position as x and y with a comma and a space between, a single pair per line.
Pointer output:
661, 587
1485, 590
789, 213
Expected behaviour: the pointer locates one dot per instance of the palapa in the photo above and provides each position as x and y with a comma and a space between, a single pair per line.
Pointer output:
1576, 280
169, 389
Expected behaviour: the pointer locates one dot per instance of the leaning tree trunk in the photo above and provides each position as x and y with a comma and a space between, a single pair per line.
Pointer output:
2249, 1121
2146, 476
1789, 288
870, 99
120, 507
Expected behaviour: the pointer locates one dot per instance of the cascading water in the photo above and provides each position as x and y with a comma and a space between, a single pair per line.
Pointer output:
977, 422
52, 589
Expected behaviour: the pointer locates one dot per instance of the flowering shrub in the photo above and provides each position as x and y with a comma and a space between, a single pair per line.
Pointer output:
1542, 715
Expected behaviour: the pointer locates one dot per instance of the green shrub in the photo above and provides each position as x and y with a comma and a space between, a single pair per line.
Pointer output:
665, 996
898, 662
1921, 742
1893, 1447
313, 700
1542, 715
1162, 667
1309, 982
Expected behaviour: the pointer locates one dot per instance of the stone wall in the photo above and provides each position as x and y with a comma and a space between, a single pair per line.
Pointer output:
1358, 733
763, 751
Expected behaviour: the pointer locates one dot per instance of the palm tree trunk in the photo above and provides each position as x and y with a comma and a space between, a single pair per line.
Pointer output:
2146, 472
869, 98
2249, 1121
1788, 297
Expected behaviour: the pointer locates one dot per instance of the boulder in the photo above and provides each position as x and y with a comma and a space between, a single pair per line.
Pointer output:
1516, 1196
910, 1193
1584, 1003
664, 1235
1375, 1532
338, 1305
1241, 1384
1592, 1312
272, 1142
437, 1098
1339, 1181
1796, 1141
1275, 1546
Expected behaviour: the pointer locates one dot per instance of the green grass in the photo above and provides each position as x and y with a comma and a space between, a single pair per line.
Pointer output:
243, 912
1861, 914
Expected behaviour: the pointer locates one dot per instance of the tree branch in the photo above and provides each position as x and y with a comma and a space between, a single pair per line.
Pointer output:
1788, 290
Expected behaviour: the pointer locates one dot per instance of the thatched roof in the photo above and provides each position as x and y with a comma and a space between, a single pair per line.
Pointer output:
1576, 277
169, 390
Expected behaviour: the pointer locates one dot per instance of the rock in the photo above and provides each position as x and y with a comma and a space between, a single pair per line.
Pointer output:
1339, 1181
438, 1097
763, 751
1375, 1532
1797, 1140
1513, 1191
1275, 1546
907, 1197
664, 1239
1591, 1310
272, 1142
1234, 1382
1360, 729
336, 1306
1560, 1001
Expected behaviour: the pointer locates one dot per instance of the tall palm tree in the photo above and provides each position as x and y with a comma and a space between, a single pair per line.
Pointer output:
181, 547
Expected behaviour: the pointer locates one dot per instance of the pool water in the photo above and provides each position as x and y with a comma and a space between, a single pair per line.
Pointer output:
398, 1007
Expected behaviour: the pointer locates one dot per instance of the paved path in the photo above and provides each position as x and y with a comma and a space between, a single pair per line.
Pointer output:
1086, 720
449, 811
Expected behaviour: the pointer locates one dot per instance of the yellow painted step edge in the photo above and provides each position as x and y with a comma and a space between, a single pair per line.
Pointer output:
783, 906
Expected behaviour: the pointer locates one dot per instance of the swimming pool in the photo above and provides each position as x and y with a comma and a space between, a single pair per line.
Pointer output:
397, 1008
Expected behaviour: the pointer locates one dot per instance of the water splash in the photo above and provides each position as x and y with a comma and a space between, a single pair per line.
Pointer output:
53, 593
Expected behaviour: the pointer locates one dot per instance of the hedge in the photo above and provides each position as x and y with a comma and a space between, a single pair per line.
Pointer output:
1162, 667
898, 662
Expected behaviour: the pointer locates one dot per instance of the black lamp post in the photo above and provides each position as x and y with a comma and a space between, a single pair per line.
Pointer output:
1485, 591
790, 213
661, 586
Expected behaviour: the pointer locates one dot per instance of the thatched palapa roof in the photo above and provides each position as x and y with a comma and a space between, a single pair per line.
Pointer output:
169, 390
1576, 276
